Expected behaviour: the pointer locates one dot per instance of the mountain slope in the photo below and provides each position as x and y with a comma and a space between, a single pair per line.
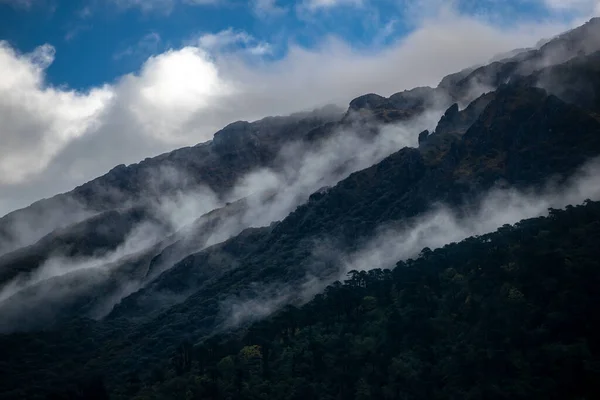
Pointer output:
173, 288
404, 185
191, 299
242, 147
507, 315
236, 149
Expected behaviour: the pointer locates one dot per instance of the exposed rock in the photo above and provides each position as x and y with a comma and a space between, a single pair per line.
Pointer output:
423, 136
369, 101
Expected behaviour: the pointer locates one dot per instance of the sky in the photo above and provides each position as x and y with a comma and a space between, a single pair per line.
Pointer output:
90, 84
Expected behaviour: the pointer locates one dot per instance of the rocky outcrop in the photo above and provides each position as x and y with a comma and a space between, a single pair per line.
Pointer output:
525, 135
398, 107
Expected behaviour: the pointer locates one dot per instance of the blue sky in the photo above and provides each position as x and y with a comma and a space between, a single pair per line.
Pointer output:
89, 84
101, 36
98, 41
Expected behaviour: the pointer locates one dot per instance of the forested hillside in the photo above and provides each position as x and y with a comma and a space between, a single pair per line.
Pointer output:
213, 271
507, 315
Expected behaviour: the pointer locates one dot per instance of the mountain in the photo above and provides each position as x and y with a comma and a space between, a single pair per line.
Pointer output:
281, 208
236, 149
258, 143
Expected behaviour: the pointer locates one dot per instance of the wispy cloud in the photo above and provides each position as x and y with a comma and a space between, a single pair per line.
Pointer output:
163, 6
269, 194
268, 8
315, 5
230, 40
147, 46
584, 7
19, 3
439, 226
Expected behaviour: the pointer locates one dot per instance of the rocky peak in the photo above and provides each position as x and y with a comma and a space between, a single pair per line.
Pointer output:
451, 80
400, 106
368, 101
451, 112
413, 99
423, 136
457, 122
527, 133
234, 136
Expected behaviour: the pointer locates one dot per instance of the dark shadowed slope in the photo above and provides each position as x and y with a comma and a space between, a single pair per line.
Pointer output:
508, 143
507, 315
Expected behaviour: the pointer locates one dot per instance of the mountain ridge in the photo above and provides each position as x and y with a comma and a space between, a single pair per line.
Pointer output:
440, 146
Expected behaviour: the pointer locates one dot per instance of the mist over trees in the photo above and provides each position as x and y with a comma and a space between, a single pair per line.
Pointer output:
506, 315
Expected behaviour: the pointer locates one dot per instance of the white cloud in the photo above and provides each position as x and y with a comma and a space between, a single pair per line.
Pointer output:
38, 121
230, 40
145, 47
159, 5
265, 8
171, 88
583, 6
313, 5
54, 139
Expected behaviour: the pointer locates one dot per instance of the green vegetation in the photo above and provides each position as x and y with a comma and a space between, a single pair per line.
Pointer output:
508, 315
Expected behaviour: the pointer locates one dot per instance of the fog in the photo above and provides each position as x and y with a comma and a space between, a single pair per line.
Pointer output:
267, 194
406, 239
282, 190
442, 225
142, 236
303, 169
246, 307
22, 229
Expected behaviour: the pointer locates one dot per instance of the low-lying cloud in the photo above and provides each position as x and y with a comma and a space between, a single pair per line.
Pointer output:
442, 225
434, 229
55, 138
269, 195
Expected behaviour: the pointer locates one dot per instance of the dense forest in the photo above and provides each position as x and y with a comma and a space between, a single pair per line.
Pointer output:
506, 315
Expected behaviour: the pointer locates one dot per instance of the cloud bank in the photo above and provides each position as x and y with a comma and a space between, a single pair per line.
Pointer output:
55, 138
393, 242
270, 195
